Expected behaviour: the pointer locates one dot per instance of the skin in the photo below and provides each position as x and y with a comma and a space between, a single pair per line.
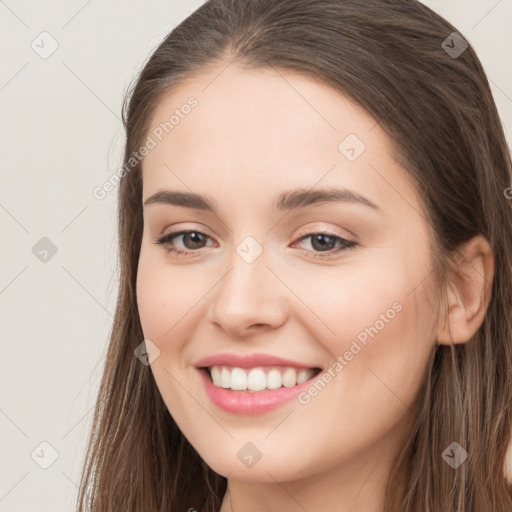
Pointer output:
335, 452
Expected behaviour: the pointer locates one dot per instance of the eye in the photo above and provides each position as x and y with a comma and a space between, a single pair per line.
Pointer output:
321, 242
325, 242
191, 238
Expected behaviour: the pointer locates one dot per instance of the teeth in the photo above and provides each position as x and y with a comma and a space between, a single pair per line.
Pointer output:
289, 378
238, 379
225, 378
274, 379
258, 379
216, 376
304, 375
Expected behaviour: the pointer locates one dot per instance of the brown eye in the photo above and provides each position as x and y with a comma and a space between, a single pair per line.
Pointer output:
191, 240
195, 239
327, 243
321, 242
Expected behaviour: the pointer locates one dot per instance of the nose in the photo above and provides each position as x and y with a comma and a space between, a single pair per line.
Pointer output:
249, 298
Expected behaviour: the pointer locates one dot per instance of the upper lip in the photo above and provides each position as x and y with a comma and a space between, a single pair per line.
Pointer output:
249, 361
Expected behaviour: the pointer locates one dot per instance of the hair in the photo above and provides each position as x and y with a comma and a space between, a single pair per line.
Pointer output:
439, 113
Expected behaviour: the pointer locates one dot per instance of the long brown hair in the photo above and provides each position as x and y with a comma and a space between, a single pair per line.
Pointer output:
437, 108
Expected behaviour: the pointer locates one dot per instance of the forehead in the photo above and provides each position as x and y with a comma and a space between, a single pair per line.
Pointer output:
262, 131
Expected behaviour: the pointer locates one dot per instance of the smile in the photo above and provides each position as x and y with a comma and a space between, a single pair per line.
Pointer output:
259, 378
253, 383
251, 402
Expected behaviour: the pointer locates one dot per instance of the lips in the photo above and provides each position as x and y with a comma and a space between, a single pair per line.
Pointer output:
250, 361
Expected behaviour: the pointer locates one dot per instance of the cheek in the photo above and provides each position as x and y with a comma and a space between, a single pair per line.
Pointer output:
379, 359
168, 304
165, 297
376, 322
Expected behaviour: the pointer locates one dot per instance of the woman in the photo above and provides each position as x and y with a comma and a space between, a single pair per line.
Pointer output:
315, 294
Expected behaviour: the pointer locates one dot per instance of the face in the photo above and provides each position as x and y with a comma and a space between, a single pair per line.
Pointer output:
274, 282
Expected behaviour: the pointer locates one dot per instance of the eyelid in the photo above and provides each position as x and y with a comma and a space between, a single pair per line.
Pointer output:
193, 227
326, 231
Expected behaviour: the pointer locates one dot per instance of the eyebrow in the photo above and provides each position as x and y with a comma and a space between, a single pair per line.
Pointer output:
288, 200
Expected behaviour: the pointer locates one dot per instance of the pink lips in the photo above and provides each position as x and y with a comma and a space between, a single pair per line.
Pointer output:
244, 402
249, 361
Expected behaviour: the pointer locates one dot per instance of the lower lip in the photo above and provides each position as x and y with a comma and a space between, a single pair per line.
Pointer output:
244, 402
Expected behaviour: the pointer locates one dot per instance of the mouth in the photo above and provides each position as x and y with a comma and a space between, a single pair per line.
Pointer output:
253, 383
258, 379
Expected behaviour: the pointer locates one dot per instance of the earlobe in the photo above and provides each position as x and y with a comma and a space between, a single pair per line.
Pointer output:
469, 292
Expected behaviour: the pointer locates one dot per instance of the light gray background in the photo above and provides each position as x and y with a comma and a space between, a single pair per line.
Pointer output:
61, 137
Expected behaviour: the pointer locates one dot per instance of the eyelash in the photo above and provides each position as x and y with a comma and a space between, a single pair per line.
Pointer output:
345, 243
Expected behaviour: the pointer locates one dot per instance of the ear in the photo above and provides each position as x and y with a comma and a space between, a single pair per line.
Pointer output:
468, 293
